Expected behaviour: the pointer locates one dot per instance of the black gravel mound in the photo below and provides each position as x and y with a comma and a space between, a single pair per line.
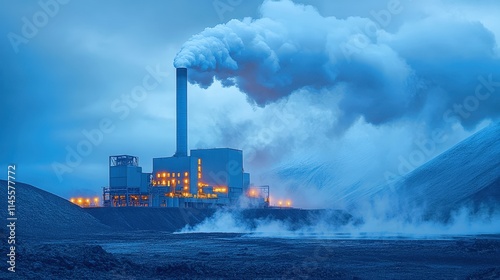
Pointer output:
41, 214
465, 176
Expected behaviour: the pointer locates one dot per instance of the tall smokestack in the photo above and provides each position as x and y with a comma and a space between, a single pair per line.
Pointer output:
181, 111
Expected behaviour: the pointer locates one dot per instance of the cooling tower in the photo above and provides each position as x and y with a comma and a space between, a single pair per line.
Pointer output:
181, 110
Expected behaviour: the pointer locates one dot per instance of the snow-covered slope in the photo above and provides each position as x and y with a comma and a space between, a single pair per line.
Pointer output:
42, 214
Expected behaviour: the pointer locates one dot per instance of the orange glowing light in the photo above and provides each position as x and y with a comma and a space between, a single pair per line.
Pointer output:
72, 200
288, 203
220, 189
280, 203
79, 201
253, 193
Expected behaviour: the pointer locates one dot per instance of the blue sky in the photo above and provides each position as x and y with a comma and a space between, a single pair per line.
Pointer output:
320, 97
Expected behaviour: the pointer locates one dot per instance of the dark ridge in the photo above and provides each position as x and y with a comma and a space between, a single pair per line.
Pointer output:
149, 218
174, 219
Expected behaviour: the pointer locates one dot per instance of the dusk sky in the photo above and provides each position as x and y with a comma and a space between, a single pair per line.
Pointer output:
332, 96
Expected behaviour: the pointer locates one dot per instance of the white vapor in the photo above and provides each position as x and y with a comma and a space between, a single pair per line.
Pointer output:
371, 225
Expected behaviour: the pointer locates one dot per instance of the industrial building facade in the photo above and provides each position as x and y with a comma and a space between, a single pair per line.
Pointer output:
204, 178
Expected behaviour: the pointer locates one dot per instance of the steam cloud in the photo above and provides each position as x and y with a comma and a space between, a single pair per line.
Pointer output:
422, 69
368, 225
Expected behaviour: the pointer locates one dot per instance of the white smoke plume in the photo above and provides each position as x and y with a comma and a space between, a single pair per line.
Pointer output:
422, 68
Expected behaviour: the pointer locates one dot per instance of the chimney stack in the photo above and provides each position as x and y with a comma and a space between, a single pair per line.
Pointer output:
181, 110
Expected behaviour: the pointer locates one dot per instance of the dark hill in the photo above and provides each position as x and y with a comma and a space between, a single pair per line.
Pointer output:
466, 175
41, 214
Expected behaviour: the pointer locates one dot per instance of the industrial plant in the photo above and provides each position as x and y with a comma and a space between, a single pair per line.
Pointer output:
203, 178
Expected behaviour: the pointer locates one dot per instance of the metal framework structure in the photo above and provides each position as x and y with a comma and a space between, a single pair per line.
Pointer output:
260, 194
123, 160
264, 191
123, 197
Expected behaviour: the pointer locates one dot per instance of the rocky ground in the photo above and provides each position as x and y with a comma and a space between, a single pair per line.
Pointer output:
155, 255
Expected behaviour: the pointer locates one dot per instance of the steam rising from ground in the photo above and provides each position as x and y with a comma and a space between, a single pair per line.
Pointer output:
370, 225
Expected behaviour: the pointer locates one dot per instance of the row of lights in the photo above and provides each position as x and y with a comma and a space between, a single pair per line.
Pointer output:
280, 202
284, 203
168, 174
220, 189
169, 183
85, 201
